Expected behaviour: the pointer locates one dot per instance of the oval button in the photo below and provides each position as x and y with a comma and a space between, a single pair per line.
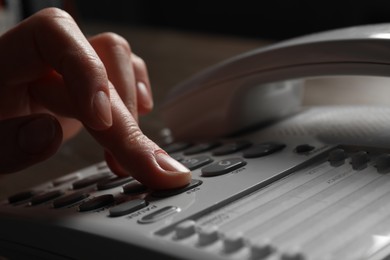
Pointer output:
159, 214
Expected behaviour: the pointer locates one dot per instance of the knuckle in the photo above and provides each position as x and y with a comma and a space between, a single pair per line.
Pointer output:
138, 61
52, 13
112, 41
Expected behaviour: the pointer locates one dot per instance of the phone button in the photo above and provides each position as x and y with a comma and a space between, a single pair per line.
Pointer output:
223, 167
196, 162
134, 187
40, 198
230, 148
97, 202
172, 192
93, 179
159, 214
127, 207
304, 149
113, 182
263, 149
200, 148
176, 147
69, 199
21, 196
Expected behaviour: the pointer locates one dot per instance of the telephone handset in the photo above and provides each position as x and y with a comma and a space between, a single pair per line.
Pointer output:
266, 84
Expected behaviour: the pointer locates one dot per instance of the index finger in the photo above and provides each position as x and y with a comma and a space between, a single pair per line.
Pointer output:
137, 154
51, 40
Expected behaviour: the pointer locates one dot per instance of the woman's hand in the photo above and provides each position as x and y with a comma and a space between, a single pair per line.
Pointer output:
53, 79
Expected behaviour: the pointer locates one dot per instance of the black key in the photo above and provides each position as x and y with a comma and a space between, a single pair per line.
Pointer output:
263, 149
21, 196
70, 199
304, 148
90, 180
230, 148
196, 162
337, 157
222, 167
200, 148
176, 147
172, 192
40, 198
112, 182
127, 207
134, 187
97, 202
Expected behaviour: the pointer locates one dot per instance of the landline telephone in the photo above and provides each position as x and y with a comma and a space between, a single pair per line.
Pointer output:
298, 184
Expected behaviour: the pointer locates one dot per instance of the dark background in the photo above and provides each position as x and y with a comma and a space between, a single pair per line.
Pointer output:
256, 19
274, 20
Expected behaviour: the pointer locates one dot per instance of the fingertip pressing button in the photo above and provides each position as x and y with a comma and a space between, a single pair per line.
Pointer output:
184, 229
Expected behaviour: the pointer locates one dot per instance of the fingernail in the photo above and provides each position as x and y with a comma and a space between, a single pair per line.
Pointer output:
102, 107
37, 135
143, 96
167, 163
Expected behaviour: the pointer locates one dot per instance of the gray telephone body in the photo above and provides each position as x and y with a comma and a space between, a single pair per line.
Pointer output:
315, 184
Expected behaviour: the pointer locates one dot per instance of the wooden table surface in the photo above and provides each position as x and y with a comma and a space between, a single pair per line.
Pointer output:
172, 56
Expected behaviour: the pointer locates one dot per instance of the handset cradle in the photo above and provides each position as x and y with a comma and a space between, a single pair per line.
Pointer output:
266, 84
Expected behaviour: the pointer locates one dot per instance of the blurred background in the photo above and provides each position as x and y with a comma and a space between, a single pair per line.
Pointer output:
178, 39
274, 20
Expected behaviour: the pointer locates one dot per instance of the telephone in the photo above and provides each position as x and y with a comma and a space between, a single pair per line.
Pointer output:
271, 180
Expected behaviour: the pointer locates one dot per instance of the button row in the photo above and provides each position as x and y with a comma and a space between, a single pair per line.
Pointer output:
230, 244
219, 149
359, 160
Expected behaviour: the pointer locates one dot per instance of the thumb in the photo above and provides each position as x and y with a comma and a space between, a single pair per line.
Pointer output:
27, 140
